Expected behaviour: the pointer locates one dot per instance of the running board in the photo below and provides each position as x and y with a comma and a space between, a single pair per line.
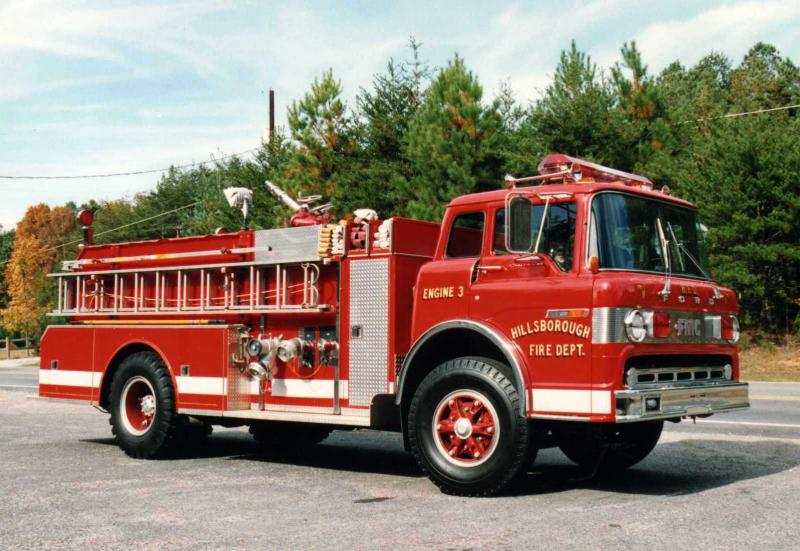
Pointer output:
348, 419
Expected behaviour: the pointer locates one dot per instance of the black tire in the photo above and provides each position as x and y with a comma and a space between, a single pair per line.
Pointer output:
475, 389
610, 448
283, 435
143, 379
533, 451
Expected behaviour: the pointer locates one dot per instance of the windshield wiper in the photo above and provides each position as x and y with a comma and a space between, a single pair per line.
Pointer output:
685, 250
665, 292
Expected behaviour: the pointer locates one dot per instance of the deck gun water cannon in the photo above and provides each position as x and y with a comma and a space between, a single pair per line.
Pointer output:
304, 213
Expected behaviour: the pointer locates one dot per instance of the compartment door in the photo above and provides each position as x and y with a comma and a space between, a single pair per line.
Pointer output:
368, 334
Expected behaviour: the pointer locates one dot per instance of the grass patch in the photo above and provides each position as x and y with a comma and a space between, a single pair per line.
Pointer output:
770, 360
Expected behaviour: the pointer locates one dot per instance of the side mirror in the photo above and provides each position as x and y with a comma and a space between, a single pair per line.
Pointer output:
519, 238
594, 264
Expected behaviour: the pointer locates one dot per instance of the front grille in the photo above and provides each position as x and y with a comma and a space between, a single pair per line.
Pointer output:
682, 370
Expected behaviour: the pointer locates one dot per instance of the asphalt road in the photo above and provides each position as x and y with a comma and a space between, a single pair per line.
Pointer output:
725, 483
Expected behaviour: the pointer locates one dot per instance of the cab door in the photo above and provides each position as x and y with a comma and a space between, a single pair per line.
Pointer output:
538, 300
443, 290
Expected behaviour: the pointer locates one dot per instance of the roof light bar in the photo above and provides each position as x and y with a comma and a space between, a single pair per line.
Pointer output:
561, 168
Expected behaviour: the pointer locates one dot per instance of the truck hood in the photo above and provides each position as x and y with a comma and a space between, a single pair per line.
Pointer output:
641, 290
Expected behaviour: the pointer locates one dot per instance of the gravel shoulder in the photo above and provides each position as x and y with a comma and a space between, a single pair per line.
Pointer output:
67, 485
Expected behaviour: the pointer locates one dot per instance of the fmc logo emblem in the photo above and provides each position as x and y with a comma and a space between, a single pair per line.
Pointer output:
687, 327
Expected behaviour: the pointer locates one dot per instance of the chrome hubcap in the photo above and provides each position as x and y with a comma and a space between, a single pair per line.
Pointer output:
463, 428
137, 407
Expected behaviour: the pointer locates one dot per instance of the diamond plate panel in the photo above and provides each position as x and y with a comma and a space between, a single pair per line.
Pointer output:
369, 310
238, 380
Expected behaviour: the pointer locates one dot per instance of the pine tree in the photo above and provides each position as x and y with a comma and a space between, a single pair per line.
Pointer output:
577, 114
453, 144
322, 163
386, 111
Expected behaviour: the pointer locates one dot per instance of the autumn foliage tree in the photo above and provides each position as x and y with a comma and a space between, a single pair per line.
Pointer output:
33, 255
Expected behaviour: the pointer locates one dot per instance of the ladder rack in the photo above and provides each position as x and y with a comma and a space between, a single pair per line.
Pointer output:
257, 287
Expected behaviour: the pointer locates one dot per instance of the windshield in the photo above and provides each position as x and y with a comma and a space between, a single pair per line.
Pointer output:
624, 235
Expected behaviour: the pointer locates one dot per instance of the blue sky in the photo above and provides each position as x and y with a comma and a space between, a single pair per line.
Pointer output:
113, 86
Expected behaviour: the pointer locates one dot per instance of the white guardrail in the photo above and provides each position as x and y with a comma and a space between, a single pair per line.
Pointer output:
16, 348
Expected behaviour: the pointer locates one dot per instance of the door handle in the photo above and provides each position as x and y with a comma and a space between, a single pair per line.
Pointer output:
490, 268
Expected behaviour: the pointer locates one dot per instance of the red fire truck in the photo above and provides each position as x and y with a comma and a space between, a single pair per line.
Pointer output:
573, 309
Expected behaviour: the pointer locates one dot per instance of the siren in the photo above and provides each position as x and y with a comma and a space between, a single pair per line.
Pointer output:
240, 198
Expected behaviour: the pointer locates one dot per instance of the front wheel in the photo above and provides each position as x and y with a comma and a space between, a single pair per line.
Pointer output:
465, 427
609, 448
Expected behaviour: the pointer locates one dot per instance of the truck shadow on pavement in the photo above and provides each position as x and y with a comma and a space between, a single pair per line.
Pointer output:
673, 469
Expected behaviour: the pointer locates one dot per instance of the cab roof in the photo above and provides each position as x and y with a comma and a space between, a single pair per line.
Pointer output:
560, 173
499, 195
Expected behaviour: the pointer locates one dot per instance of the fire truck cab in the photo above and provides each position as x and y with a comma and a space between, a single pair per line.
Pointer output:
571, 309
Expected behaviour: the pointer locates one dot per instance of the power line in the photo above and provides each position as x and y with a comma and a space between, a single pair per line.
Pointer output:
129, 173
742, 114
117, 228
127, 225
251, 150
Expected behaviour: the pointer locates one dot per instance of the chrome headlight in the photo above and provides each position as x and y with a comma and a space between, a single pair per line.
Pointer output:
636, 326
730, 329
736, 333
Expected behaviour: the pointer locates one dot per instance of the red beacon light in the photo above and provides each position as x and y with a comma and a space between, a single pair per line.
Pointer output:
85, 219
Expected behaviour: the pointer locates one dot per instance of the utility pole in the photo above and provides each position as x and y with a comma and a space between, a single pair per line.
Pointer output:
271, 114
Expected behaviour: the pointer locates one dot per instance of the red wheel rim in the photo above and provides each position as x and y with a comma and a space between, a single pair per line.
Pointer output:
138, 406
465, 428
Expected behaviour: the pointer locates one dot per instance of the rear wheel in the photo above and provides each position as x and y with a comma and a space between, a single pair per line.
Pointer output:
142, 402
465, 428
610, 448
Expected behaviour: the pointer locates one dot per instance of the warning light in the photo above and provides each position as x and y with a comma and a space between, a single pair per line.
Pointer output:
85, 218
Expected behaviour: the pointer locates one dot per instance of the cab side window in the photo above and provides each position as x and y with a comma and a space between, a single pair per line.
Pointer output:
466, 235
558, 232
499, 235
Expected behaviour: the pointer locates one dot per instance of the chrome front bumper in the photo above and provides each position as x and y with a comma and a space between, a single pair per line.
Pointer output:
684, 401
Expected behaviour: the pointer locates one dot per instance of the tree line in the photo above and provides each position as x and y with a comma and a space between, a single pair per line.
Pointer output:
417, 136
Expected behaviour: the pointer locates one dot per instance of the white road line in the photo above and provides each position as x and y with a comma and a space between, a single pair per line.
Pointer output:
20, 386
775, 398
671, 436
750, 424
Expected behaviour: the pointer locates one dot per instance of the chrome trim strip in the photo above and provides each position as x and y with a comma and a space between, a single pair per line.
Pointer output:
681, 402
70, 401
491, 334
165, 325
577, 418
608, 326
330, 419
